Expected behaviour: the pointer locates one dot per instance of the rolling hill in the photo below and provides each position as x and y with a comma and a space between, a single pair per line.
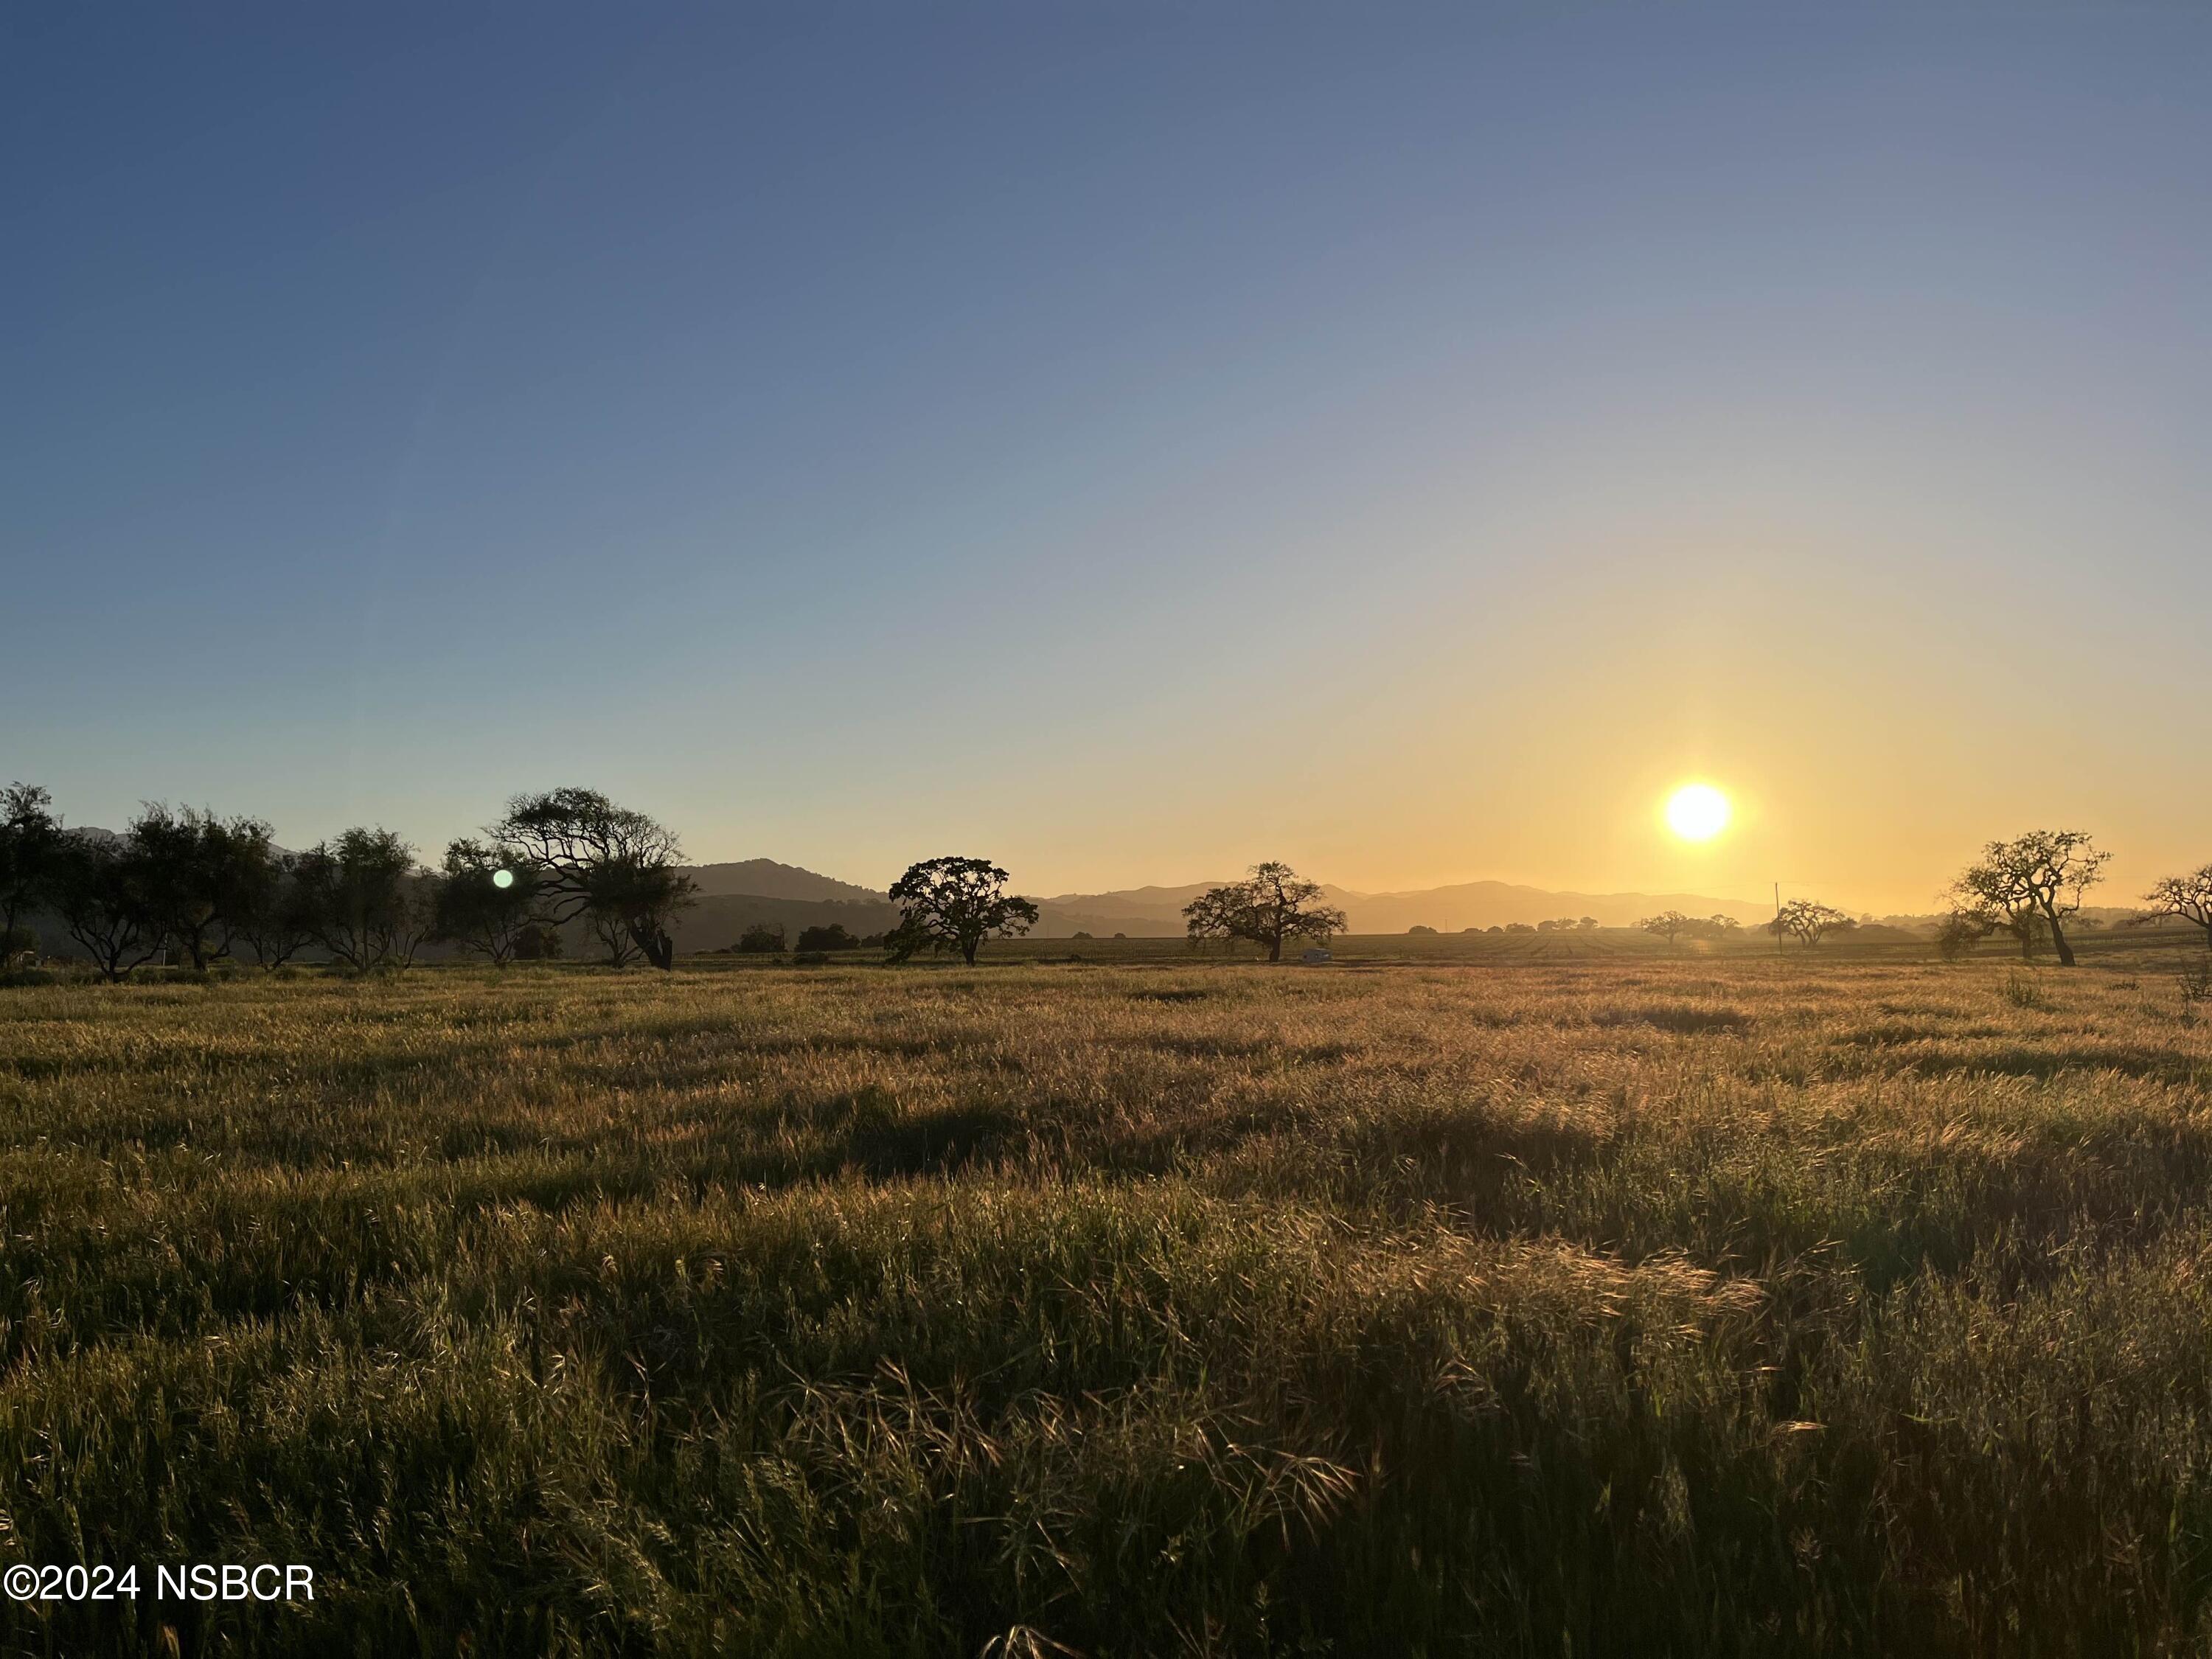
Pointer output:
734, 895
1143, 911
766, 878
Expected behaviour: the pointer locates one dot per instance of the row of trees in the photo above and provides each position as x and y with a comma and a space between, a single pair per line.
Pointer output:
1807, 920
205, 887
1671, 925
2030, 888
1561, 925
765, 939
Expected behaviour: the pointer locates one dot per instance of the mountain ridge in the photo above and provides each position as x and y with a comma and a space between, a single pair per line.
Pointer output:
1451, 908
766, 878
735, 893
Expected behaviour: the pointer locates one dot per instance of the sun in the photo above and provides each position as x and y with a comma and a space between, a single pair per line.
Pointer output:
1697, 812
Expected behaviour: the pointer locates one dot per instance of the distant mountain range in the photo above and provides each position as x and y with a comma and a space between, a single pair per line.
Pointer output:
737, 894
766, 878
1158, 910
734, 895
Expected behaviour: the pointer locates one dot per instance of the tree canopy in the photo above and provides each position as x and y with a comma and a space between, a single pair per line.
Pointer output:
368, 903
762, 939
2038, 876
954, 904
1668, 924
618, 868
201, 874
1271, 906
30, 850
1808, 921
2187, 898
487, 897
276, 914
98, 885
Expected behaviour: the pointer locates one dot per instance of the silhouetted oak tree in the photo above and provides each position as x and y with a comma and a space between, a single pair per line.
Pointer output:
30, 851
1808, 922
1271, 906
367, 898
2188, 897
616, 868
954, 904
487, 896
200, 873
98, 886
2041, 875
276, 914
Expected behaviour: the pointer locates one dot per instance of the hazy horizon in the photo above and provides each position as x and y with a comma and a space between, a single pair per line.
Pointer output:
1125, 444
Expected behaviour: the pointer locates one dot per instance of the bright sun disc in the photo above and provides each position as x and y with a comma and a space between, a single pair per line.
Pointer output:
1697, 812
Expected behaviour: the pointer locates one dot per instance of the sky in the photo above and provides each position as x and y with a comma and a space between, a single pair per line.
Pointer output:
1124, 441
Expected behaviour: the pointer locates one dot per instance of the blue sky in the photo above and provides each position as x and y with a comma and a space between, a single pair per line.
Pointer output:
1126, 441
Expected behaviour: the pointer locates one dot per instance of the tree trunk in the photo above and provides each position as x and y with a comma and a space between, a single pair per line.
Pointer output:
2058, 939
968, 947
1275, 948
650, 938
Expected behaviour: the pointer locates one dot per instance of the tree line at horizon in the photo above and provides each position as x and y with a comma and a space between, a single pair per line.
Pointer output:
189, 881
2029, 887
210, 888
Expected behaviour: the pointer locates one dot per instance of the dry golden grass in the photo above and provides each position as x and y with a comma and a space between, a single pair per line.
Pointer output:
1698, 1305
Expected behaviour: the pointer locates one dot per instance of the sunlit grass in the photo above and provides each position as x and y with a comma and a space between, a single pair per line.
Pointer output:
1696, 1305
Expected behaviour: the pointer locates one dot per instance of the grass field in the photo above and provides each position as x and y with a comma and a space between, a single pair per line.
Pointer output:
1621, 1305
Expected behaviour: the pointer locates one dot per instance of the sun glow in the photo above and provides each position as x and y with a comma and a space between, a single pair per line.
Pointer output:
1697, 812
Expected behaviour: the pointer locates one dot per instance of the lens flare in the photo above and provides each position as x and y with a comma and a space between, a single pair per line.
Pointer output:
502, 878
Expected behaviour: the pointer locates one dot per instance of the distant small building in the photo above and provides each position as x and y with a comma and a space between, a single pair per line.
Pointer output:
1315, 957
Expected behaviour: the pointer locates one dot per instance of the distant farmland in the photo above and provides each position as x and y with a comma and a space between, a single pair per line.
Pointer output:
1556, 1293
1601, 944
